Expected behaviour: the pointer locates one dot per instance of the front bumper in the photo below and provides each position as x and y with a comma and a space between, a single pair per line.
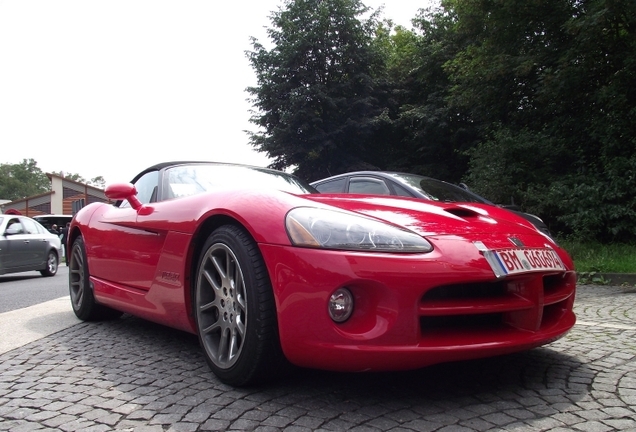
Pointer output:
411, 310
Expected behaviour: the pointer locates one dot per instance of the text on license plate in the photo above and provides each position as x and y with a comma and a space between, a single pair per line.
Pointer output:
513, 261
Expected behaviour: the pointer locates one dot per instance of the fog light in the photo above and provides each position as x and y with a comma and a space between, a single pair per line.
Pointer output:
341, 305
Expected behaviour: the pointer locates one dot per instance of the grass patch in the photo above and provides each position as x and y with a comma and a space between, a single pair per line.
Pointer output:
601, 258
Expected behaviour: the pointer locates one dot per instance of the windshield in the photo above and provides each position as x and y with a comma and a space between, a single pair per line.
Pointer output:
187, 180
438, 190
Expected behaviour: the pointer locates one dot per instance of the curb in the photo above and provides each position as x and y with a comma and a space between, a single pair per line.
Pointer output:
620, 278
611, 278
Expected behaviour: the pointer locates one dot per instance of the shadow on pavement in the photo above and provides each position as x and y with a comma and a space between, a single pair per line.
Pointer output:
161, 366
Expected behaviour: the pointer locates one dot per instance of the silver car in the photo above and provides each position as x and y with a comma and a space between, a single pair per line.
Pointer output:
26, 245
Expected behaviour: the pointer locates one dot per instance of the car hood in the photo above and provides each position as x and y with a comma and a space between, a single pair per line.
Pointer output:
430, 218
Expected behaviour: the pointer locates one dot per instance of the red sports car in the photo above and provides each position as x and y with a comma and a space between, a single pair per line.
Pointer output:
265, 270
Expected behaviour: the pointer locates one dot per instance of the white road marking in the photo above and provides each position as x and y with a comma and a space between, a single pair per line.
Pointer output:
22, 326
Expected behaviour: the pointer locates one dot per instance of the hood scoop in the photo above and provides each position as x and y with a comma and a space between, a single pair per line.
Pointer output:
462, 212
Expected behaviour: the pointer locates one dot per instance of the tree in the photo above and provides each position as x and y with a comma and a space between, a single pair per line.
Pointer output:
71, 176
532, 102
549, 83
427, 135
22, 180
316, 100
26, 179
601, 67
98, 182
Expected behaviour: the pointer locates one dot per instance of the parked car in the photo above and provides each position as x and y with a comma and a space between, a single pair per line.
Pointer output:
412, 185
268, 272
26, 245
48, 220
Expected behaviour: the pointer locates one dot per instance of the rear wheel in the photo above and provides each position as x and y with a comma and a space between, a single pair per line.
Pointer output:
235, 310
51, 265
81, 291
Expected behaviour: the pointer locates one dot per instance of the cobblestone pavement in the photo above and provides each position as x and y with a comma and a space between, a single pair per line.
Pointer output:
130, 374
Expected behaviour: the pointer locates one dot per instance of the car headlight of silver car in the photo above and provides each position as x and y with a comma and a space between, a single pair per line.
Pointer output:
322, 228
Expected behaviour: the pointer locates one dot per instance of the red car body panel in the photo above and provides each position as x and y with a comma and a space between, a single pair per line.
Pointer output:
411, 309
387, 323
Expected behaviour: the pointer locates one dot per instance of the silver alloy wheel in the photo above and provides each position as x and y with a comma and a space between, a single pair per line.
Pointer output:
51, 264
221, 305
76, 276
50, 269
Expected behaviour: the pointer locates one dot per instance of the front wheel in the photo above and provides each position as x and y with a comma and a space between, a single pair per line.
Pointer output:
84, 305
235, 310
51, 265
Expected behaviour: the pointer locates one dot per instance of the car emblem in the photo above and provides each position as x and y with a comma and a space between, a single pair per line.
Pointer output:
515, 241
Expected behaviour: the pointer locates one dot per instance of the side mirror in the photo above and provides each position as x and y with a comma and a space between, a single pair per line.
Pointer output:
120, 191
123, 191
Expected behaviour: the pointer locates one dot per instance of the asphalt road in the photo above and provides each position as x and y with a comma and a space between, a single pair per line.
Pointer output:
20, 290
33, 307
133, 375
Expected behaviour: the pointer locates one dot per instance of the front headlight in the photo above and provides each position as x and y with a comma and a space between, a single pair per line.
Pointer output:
321, 228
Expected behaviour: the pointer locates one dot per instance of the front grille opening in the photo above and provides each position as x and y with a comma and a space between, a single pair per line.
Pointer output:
435, 324
466, 291
553, 283
553, 313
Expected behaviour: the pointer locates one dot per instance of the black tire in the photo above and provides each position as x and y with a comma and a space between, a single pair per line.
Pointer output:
235, 310
52, 263
81, 291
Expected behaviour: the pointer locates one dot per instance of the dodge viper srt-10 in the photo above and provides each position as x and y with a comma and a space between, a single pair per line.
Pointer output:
267, 272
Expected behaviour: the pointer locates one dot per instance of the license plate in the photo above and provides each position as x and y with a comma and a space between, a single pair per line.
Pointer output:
512, 261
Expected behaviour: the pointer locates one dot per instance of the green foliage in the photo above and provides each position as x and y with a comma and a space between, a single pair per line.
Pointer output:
591, 278
427, 135
71, 176
26, 179
22, 180
593, 257
98, 181
515, 167
508, 49
530, 102
316, 99
550, 85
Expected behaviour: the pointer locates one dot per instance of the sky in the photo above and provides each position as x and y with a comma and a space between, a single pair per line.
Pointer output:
110, 87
